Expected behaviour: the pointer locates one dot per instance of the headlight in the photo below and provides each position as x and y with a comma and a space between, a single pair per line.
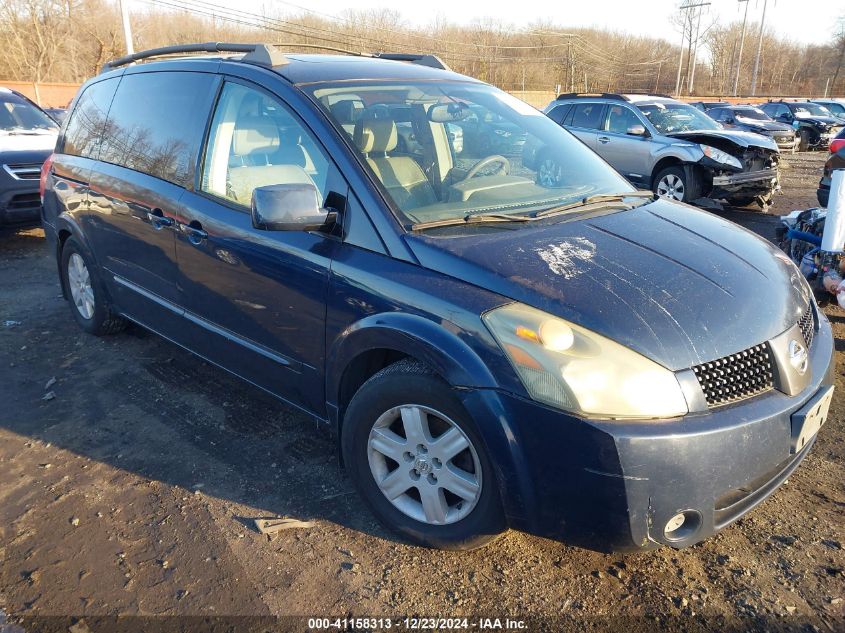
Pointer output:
720, 157
572, 368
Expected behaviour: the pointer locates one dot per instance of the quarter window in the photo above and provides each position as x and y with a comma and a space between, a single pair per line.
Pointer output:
256, 141
156, 122
82, 135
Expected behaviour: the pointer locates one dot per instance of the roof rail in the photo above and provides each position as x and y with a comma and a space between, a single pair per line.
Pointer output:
433, 61
261, 54
597, 95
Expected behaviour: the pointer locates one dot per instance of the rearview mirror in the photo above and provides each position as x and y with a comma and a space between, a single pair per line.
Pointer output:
446, 112
636, 130
289, 207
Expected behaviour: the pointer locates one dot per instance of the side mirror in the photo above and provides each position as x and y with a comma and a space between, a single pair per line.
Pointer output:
637, 130
730, 120
290, 207
785, 117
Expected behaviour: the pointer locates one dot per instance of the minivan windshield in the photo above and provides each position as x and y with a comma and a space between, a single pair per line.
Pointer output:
450, 150
670, 117
18, 115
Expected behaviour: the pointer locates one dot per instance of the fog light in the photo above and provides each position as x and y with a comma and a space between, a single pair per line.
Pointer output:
674, 523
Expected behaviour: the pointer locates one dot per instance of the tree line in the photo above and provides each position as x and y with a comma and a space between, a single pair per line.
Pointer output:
70, 40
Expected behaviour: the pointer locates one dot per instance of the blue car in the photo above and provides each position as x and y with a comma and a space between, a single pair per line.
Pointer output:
580, 361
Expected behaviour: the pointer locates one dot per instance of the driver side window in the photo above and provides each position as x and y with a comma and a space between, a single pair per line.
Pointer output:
620, 118
257, 141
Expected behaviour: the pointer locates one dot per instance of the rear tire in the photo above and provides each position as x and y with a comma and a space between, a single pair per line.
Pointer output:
415, 485
86, 294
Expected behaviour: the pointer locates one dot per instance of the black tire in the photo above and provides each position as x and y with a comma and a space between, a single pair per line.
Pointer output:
408, 382
804, 140
691, 186
102, 321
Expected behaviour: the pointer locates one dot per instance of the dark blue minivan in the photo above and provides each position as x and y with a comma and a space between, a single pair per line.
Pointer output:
583, 362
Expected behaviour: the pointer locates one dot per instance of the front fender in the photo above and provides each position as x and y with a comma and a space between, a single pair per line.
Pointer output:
438, 345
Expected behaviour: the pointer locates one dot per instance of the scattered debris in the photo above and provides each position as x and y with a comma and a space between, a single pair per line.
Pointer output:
49, 395
11, 323
74, 521
79, 627
271, 526
50, 383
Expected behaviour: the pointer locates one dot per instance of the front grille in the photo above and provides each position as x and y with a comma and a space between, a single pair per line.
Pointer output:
736, 377
808, 326
24, 171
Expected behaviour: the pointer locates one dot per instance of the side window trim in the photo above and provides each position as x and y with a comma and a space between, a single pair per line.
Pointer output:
335, 179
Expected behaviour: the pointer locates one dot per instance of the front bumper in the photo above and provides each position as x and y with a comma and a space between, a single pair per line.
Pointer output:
20, 203
760, 182
614, 485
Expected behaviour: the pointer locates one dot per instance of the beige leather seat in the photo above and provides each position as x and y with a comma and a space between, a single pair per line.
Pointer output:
254, 143
402, 176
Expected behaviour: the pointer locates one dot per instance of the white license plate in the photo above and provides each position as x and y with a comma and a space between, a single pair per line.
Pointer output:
809, 419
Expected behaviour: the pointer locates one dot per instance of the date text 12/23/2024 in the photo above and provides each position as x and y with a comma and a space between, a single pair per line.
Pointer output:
416, 624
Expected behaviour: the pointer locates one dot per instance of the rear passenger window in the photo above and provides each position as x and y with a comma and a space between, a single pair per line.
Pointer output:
587, 115
156, 123
82, 135
256, 141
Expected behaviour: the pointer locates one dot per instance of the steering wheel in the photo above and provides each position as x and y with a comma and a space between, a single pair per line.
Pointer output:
503, 170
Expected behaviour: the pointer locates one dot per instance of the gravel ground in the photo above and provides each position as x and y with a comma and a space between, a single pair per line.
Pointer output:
131, 472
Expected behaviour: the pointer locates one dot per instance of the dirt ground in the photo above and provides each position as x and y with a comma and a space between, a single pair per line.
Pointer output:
130, 472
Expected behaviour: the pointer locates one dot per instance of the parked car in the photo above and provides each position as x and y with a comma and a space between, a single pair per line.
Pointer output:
667, 146
704, 106
753, 119
814, 124
835, 106
57, 114
27, 137
836, 160
582, 361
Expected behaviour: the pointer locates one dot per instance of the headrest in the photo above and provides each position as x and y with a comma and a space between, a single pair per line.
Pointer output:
255, 135
375, 135
344, 111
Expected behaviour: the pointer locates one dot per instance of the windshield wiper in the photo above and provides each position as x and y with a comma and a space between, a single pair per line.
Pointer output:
591, 200
469, 218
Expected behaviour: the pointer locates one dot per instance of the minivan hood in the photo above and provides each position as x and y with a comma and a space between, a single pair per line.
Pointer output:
743, 139
679, 285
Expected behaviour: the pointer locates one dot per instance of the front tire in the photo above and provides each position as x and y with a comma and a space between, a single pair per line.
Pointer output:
418, 461
674, 184
804, 140
85, 292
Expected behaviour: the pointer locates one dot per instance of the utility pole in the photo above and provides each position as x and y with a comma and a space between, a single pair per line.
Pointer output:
684, 7
741, 43
759, 49
127, 29
695, 48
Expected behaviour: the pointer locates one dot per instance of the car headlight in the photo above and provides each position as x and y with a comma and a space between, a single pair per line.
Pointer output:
569, 367
720, 157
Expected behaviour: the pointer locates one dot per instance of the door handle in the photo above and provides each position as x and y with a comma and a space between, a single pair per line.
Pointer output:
604, 139
158, 220
194, 232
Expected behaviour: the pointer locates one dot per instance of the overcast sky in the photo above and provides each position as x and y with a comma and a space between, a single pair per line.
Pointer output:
808, 21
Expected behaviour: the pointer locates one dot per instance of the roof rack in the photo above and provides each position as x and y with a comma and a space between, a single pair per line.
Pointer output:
265, 54
596, 95
261, 54
432, 61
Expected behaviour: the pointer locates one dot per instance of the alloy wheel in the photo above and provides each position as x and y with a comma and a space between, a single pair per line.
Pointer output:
424, 464
671, 186
81, 290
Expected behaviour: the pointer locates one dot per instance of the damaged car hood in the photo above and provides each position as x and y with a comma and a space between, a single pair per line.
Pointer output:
676, 284
740, 138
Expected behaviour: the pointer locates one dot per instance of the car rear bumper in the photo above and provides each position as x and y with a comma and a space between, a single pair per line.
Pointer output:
615, 485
